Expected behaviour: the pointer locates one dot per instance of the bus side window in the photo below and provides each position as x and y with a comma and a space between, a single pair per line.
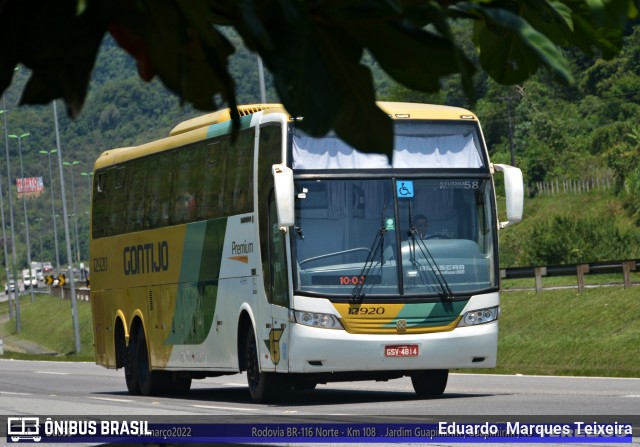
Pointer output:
152, 206
117, 199
239, 191
184, 190
278, 259
100, 206
211, 181
135, 180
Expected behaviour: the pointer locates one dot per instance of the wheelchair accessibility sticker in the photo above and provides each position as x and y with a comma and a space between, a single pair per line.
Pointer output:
404, 188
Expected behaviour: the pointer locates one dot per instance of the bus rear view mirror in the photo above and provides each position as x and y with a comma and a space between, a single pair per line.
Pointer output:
514, 191
283, 190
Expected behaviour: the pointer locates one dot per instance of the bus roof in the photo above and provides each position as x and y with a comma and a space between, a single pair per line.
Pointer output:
221, 116
408, 110
396, 110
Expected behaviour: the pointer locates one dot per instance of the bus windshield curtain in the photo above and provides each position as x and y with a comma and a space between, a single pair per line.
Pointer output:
447, 151
330, 152
442, 151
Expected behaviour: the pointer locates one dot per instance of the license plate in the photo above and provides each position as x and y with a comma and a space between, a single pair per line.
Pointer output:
401, 351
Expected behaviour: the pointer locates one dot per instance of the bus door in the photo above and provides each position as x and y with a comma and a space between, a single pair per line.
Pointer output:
274, 252
278, 292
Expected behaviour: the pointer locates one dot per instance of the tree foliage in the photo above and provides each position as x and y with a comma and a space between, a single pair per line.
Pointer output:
571, 132
314, 49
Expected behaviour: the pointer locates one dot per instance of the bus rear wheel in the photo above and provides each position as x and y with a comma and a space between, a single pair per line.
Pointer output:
430, 382
263, 386
130, 374
152, 383
178, 385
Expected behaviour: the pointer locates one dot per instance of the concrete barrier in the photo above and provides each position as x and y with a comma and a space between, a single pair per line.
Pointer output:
83, 293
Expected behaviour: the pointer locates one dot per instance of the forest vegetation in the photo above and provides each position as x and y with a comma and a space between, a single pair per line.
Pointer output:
588, 130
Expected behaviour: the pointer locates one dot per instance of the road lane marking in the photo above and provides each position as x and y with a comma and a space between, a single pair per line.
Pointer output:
15, 393
110, 399
213, 407
55, 373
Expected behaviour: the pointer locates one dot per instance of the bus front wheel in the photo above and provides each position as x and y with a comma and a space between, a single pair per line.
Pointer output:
263, 386
430, 382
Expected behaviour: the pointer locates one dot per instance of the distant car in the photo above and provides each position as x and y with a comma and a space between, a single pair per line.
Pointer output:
11, 286
28, 279
29, 282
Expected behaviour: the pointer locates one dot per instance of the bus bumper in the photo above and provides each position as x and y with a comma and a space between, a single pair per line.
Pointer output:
316, 350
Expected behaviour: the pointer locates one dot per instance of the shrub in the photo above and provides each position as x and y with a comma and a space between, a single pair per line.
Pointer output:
571, 240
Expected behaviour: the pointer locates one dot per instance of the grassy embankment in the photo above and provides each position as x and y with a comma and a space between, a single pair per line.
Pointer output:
553, 332
563, 332
48, 324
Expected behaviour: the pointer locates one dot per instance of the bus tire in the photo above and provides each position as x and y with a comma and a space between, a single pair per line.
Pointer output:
130, 372
430, 382
152, 383
263, 386
179, 385
303, 384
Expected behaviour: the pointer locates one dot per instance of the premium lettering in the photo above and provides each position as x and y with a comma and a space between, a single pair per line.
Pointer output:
241, 249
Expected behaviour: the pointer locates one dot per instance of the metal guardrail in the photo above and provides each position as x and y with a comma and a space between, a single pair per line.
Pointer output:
83, 293
578, 270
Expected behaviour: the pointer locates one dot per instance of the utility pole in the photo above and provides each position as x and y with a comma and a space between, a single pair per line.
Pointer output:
507, 99
53, 207
4, 235
72, 285
13, 234
263, 92
26, 218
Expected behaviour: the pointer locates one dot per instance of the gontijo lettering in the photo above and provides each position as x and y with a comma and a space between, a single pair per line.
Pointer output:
146, 258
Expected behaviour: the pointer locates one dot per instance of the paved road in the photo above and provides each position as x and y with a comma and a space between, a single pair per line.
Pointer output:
32, 387
58, 388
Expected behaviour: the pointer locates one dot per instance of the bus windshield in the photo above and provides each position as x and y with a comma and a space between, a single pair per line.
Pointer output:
394, 236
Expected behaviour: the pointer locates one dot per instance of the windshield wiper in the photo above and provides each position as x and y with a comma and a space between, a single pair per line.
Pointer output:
376, 246
432, 265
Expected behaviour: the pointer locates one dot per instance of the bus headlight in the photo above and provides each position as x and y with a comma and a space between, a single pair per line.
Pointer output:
480, 316
315, 319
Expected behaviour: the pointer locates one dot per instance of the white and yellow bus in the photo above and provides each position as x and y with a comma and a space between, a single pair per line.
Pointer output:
299, 260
